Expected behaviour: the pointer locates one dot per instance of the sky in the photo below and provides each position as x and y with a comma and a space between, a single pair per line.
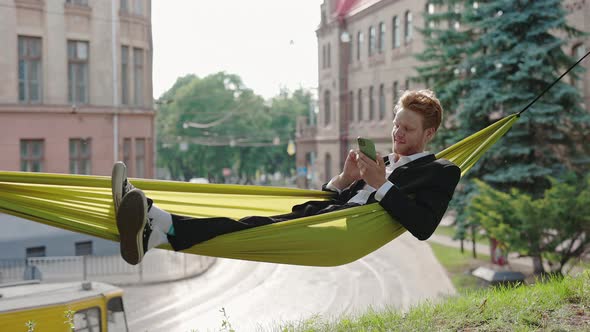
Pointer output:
269, 43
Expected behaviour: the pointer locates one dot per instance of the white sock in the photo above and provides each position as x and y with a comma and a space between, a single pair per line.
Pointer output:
156, 238
161, 219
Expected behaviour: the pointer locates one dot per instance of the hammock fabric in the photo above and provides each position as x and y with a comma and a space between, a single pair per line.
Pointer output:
83, 204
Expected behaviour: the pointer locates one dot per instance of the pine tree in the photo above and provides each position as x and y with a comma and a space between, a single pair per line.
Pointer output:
505, 52
445, 37
519, 52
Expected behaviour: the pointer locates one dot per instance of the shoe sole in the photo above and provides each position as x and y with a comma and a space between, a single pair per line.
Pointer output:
131, 220
117, 179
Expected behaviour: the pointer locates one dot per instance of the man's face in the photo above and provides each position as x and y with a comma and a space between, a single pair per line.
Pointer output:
408, 135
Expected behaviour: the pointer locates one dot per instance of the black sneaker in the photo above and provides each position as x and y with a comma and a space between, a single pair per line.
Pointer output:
134, 226
120, 186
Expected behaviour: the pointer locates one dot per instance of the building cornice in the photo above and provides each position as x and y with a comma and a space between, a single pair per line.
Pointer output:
68, 109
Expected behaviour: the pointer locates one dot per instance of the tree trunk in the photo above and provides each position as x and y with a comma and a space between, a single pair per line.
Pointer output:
538, 265
473, 242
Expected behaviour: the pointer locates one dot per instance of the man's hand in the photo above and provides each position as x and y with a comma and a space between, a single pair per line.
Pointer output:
350, 173
373, 172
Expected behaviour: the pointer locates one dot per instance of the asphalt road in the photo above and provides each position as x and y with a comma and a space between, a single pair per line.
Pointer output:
260, 296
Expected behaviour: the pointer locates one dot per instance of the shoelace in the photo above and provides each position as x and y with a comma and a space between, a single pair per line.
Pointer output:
127, 186
147, 231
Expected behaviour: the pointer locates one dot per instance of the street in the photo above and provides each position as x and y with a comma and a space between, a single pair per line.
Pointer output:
260, 296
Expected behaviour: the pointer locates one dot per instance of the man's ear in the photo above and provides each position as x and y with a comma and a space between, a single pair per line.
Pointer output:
430, 132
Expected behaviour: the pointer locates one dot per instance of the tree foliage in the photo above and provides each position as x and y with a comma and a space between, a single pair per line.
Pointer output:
554, 228
490, 60
207, 124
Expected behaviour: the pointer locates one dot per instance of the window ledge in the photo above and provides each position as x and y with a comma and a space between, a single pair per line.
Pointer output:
130, 17
30, 4
80, 10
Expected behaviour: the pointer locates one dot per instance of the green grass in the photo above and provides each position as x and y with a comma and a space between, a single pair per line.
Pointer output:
450, 232
459, 265
557, 305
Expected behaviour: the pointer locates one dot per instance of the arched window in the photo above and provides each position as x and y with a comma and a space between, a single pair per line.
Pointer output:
359, 44
381, 45
381, 102
408, 27
395, 36
329, 57
579, 51
430, 9
395, 92
328, 167
372, 39
359, 108
371, 105
350, 106
327, 111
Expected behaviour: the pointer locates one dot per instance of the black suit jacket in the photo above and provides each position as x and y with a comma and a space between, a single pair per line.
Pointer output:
420, 194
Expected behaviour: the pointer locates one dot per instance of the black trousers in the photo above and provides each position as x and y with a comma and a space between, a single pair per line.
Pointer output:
190, 231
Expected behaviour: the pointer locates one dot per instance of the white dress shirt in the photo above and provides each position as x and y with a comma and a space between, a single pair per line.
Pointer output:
363, 195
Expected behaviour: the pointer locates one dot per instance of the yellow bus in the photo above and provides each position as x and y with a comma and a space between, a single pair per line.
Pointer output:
52, 307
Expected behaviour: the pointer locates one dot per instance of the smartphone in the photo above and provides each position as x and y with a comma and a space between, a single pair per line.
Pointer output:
367, 147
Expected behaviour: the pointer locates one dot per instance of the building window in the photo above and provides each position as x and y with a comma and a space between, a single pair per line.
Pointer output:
78, 2
454, 17
31, 155
395, 34
359, 108
323, 56
138, 76
29, 70
80, 151
77, 72
124, 75
328, 167
350, 106
430, 9
87, 320
127, 154
140, 157
395, 93
371, 105
83, 248
381, 102
138, 9
359, 45
381, 37
35, 252
407, 87
578, 52
372, 40
329, 56
327, 111
408, 27
124, 6
351, 49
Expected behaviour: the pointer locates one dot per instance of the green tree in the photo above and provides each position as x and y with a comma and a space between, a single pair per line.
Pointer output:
553, 229
211, 123
447, 39
515, 49
519, 52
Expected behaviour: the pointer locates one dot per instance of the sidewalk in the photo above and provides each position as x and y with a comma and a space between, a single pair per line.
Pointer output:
484, 249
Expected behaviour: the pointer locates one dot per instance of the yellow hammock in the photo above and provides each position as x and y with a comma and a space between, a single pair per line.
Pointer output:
83, 204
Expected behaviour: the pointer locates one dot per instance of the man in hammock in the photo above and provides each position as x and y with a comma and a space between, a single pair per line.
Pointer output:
410, 184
